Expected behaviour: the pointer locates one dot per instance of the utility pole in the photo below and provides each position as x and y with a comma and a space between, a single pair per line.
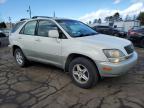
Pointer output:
10, 22
29, 11
54, 14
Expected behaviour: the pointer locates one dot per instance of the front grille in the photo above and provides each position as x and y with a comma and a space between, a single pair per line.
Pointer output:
129, 49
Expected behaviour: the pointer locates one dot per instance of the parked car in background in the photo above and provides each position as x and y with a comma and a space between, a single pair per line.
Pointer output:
110, 31
2, 33
3, 39
6, 31
136, 35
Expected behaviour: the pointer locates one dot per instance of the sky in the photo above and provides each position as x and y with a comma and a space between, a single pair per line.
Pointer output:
83, 10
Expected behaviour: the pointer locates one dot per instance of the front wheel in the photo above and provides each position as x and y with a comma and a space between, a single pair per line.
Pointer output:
20, 58
83, 72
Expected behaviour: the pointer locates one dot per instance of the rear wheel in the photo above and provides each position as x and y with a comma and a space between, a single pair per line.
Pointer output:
20, 58
83, 72
142, 43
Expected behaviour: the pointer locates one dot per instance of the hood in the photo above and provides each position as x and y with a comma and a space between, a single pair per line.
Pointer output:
105, 41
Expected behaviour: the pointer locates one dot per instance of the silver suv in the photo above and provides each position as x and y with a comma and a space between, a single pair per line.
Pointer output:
72, 46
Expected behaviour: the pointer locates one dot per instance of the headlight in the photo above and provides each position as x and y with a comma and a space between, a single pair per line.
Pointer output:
114, 55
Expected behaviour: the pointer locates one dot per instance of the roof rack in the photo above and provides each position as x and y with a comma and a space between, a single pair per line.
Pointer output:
35, 17
23, 19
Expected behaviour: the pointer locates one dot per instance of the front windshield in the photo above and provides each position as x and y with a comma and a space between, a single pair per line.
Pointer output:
76, 28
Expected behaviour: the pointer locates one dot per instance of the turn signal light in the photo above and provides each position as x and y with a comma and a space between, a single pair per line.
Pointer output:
107, 69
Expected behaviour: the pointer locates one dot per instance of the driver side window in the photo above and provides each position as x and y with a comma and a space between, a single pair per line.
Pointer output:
44, 26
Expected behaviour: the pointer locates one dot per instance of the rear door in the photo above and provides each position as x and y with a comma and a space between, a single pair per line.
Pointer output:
26, 38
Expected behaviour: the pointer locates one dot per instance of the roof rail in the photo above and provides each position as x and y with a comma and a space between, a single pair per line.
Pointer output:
35, 17
23, 19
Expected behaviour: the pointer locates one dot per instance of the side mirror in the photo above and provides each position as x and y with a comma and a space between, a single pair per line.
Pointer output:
53, 33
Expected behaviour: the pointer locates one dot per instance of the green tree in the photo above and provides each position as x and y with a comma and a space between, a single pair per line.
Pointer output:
95, 21
115, 17
90, 22
141, 18
99, 21
3, 25
109, 19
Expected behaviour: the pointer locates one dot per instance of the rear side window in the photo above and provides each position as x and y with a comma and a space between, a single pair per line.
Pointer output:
29, 28
16, 27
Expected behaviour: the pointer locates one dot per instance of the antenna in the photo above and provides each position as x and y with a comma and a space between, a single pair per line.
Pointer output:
10, 22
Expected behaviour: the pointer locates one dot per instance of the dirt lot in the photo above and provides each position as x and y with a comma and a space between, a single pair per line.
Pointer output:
43, 86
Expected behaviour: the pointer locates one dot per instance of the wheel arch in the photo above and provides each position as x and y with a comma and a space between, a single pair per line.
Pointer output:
75, 55
14, 47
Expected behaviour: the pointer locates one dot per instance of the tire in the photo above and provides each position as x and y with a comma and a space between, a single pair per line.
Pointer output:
142, 43
20, 58
83, 72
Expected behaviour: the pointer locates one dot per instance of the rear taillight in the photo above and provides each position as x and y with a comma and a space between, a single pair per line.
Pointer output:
129, 32
132, 33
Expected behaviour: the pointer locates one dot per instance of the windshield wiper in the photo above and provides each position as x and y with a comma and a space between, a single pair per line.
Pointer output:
92, 34
82, 35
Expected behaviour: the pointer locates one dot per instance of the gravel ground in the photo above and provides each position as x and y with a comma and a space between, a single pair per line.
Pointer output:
44, 86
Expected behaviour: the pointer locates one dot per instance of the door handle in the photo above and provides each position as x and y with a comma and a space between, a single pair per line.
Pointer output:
20, 38
58, 40
38, 40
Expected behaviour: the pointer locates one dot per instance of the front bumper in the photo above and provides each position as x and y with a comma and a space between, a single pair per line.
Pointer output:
117, 69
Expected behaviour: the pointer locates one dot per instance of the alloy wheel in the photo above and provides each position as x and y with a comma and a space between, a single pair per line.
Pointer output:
19, 58
80, 73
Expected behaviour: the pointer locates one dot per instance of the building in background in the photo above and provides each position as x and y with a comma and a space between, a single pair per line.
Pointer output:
126, 25
120, 25
9, 25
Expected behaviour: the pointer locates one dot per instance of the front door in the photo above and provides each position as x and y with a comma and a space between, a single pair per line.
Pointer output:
47, 49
